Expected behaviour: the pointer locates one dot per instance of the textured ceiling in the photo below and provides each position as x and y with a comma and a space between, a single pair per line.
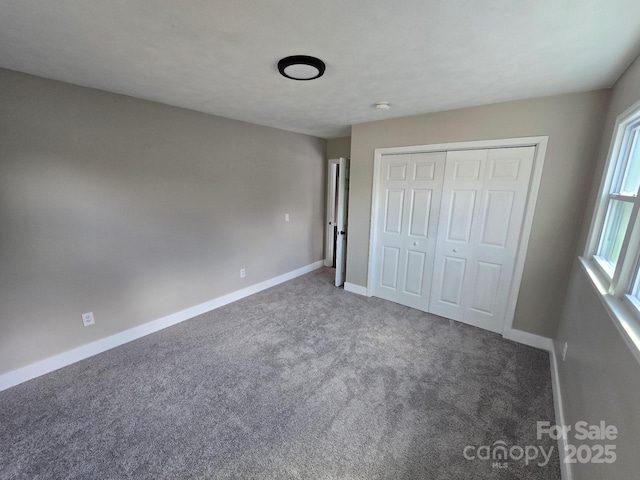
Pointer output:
219, 56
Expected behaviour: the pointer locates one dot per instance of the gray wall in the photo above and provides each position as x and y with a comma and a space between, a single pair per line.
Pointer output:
573, 123
135, 210
339, 147
600, 377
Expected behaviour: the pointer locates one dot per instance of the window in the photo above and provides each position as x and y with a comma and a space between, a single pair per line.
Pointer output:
613, 250
621, 202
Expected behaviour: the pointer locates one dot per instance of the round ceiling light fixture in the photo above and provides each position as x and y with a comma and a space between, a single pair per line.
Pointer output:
382, 105
301, 67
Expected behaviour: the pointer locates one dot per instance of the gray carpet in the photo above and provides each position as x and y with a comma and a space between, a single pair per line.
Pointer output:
303, 380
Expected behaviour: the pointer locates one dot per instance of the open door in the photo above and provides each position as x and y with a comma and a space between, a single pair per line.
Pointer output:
332, 203
341, 220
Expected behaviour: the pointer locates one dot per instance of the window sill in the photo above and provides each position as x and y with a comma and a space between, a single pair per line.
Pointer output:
606, 269
621, 311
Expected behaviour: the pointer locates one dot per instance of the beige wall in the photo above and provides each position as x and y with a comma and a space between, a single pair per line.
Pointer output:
339, 147
135, 210
572, 122
600, 377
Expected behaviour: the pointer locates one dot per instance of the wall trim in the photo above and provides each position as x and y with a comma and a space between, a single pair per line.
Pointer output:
545, 343
357, 289
565, 468
60, 360
530, 339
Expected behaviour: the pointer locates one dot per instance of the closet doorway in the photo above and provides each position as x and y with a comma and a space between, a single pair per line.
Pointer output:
450, 227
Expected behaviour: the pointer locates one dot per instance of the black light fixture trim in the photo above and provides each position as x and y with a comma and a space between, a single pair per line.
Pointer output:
301, 60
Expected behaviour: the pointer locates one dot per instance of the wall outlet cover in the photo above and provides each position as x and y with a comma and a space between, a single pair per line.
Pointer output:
87, 319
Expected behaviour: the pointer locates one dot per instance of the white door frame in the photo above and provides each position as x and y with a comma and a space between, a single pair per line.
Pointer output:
532, 195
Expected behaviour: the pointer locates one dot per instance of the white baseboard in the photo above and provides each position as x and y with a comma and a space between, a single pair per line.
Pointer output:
547, 344
565, 468
50, 364
353, 288
530, 339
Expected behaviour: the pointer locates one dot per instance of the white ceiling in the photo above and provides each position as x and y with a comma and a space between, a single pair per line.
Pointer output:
219, 56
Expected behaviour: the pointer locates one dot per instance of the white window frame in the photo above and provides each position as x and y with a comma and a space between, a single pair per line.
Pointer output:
615, 285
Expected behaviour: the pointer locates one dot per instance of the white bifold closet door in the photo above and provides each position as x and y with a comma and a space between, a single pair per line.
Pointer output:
483, 202
407, 221
448, 226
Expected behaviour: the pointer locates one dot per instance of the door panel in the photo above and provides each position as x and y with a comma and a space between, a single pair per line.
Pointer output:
504, 194
453, 271
485, 287
420, 213
496, 218
397, 172
394, 207
504, 168
461, 215
454, 249
499, 180
414, 278
424, 170
466, 168
406, 224
390, 267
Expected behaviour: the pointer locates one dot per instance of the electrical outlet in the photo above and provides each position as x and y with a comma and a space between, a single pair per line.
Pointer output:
286, 217
243, 273
87, 319
564, 350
